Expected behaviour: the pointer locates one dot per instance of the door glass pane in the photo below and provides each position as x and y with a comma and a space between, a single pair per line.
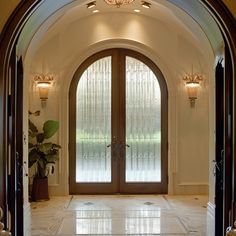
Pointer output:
143, 123
93, 123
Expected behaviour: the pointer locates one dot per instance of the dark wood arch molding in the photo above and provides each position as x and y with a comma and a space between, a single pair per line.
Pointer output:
12, 30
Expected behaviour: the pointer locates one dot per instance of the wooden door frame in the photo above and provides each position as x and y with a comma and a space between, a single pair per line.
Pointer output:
228, 173
219, 147
148, 187
88, 188
12, 30
118, 184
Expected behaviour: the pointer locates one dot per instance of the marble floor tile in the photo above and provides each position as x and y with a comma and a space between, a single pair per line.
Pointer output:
120, 215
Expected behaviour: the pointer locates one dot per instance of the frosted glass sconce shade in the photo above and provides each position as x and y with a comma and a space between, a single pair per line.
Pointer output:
192, 88
43, 83
43, 90
193, 85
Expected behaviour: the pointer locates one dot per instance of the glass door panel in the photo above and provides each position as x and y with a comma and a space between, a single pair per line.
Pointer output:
93, 123
118, 125
143, 123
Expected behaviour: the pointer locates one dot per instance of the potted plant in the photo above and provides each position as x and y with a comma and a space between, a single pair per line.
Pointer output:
42, 155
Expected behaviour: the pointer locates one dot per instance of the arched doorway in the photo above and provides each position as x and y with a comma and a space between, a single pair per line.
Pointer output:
118, 125
226, 25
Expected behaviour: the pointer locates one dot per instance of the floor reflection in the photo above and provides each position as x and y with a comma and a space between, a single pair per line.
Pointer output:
121, 215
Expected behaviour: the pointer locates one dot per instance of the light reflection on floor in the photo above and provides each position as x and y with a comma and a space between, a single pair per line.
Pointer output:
121, 215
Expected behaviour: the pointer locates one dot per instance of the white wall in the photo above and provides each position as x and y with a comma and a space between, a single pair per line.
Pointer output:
174, 48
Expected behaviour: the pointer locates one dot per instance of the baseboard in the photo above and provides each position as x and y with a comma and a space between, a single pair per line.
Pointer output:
191, 189
27, 220
211, 209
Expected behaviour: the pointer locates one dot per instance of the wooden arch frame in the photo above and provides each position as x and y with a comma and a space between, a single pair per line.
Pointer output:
11, 33
118, 56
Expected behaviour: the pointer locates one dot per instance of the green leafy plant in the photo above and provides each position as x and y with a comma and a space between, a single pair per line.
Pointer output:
40, 152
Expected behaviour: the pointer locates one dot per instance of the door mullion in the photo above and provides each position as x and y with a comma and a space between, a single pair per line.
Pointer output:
122, 119
116, 118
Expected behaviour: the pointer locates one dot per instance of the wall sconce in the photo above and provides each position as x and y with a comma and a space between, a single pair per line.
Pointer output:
44, 82
192, 83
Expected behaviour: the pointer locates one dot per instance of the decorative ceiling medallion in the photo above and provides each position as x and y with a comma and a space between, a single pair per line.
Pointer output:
118, 3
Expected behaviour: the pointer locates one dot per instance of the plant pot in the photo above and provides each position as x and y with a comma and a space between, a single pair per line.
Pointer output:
40, 189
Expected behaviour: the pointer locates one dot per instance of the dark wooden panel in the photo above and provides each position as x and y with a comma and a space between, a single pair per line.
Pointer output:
228, 142
219, 148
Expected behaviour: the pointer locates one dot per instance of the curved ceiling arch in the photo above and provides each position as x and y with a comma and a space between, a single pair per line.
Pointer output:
47, 14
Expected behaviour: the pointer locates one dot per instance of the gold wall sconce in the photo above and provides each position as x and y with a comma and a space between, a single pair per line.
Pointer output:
44, 82
192, 83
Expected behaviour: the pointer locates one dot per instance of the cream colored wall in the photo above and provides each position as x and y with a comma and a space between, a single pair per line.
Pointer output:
173, 49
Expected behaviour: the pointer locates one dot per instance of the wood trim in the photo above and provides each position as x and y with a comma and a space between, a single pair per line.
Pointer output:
86, 188
219, 147
228, 143
19, 148
118, 129
150, 187
8, 39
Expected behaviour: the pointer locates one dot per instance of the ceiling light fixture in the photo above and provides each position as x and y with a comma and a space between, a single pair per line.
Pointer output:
118, 3
146, 5
91, 5
136, 10
95, 11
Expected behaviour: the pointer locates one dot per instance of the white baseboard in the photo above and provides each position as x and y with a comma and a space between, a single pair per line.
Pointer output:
211, 209
27, 220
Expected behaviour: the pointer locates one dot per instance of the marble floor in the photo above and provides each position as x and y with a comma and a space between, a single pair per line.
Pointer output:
121, 215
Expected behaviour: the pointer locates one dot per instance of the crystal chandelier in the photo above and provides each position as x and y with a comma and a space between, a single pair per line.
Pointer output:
118, 3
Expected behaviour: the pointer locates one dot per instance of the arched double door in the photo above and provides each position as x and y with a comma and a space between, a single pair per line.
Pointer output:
118, 125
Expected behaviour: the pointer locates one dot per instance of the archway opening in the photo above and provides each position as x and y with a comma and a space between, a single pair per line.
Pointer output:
22, 51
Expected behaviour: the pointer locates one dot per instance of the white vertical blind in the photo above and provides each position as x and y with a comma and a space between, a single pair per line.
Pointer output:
143, 123
93, 123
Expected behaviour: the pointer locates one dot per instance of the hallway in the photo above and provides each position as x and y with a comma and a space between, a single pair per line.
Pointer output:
121, 215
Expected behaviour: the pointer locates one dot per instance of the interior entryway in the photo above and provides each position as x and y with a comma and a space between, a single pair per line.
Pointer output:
160, 34
118, 125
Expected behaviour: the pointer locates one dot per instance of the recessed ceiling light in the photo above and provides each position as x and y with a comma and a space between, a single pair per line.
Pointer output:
136, 10
146, 4
95, 11
91, 5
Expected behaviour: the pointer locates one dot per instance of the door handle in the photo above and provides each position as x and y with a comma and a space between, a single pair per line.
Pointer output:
120, 144
231, 231
124, 144
112, 143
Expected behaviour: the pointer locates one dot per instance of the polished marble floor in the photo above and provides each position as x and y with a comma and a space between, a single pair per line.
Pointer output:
121, 215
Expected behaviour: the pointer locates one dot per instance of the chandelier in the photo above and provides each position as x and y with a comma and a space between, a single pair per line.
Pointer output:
118, 3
